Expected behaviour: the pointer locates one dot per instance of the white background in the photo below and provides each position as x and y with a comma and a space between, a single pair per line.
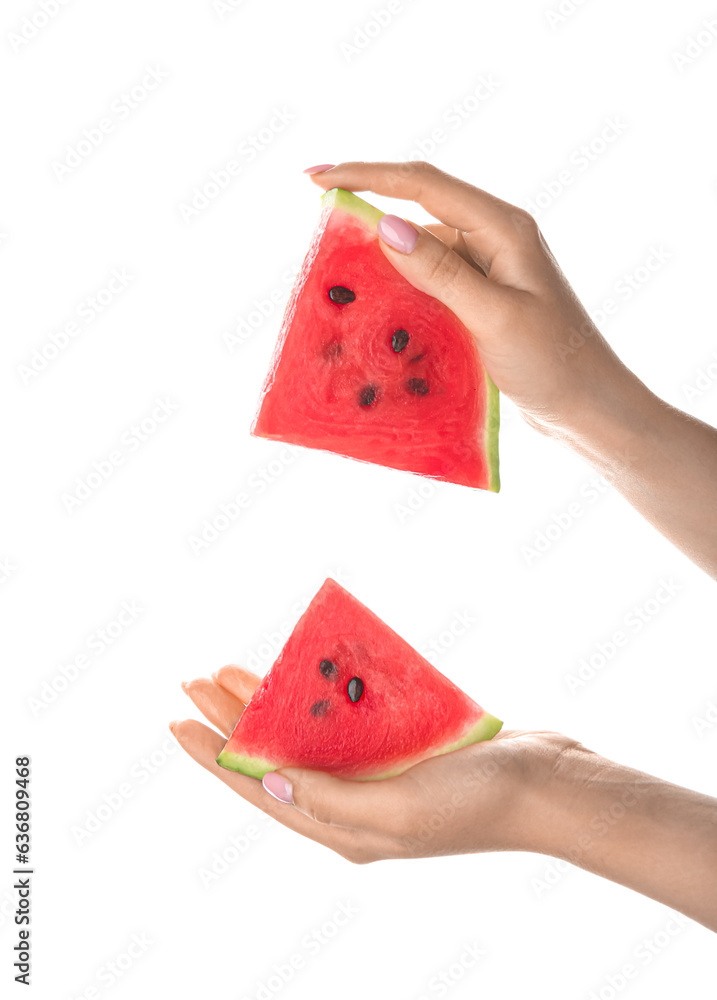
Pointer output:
194, 281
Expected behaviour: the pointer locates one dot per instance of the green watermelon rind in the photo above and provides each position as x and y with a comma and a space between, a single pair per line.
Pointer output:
253, 767
256, 767
351, 203
366, 213
485, 729
492, 427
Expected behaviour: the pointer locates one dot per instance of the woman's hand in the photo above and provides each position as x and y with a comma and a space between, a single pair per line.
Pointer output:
488, 261
467, 801
523, 791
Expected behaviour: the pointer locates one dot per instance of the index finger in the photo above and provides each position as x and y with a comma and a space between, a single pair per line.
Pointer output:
452, 201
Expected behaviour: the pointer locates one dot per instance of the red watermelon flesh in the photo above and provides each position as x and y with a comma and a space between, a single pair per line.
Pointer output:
349, 696
370, 367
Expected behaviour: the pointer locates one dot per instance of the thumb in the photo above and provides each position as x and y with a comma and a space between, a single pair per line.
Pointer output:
433, 267
327, 799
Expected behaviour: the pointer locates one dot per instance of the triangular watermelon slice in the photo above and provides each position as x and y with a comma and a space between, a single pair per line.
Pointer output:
369, 367
347, 695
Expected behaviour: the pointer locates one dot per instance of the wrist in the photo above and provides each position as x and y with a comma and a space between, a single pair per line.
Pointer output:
612, 422
546, 800
630, 827
573, 799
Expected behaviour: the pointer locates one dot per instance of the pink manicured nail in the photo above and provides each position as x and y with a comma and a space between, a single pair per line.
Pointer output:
277, 786
320, 168
398, 233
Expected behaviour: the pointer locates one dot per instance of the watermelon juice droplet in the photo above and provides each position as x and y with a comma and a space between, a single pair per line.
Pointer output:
328, 670
399, 340
355, 688
341, 295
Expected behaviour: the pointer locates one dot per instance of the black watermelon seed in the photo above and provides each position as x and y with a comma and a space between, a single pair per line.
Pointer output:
418, 385
328, 670
355, 688
399, 340
320, 708
333, 350
418, 357
367, 395
341, 295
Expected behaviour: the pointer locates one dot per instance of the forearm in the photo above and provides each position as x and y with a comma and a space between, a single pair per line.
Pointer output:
663, 461
629, 827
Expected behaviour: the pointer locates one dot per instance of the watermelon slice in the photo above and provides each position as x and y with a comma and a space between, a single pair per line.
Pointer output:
371, 368
347, 695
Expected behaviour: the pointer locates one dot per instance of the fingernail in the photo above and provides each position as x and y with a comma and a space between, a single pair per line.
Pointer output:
277, 786
398, 233
319, 169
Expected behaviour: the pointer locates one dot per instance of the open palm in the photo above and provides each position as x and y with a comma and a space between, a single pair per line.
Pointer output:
465, 801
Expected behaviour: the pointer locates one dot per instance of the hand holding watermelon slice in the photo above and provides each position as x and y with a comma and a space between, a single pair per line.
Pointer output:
520, 791
474, 791
349, 696
488, 262
460, 802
